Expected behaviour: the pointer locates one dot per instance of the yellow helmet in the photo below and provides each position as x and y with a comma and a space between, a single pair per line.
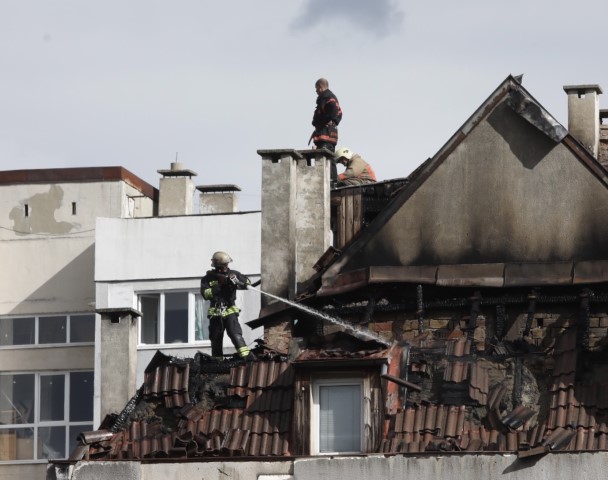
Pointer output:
343, 152
220, 258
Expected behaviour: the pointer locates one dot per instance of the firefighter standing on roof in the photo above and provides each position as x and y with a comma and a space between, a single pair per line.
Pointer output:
219, 286
326, 118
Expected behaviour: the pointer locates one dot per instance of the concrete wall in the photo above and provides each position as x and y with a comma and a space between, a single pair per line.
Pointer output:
47, 256
23, 471
506, 193
554, 466
174, 247
49, 358
432, 467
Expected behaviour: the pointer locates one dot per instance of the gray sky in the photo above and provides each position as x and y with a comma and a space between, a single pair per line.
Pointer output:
132, 82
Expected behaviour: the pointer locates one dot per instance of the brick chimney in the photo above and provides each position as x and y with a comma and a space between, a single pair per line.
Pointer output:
218, 198
176, 191
295, 217
584, 114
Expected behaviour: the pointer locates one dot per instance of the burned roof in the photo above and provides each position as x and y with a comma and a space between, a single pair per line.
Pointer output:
462, 213
200, 407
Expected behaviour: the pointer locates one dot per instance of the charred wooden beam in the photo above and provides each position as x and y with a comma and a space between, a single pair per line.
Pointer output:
420, 308
582, 331
475, 309
532, 297
403, 383
501, 319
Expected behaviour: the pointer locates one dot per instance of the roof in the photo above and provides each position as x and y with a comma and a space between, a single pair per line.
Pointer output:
77, 175
200, 407
366, 248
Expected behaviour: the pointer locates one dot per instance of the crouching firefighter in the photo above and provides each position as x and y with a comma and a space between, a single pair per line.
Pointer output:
219, 286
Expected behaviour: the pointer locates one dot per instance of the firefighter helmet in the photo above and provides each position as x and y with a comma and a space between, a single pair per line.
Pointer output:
220, 258
343, 152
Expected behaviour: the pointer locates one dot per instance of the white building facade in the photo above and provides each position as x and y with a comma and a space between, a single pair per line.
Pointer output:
47, 304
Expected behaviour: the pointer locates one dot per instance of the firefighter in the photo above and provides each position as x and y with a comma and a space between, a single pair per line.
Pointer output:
219, 286
357, 172
325, 119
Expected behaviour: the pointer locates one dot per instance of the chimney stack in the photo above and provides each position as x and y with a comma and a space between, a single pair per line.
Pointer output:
295, 217
176, 191
218, 198
584, 114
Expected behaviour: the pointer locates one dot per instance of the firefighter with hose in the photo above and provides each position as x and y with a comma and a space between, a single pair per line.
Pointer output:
219, 286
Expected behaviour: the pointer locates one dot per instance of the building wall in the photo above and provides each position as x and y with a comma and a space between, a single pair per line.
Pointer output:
430, 467
48, 255
47, 251
501, 196
554, 466
175, 247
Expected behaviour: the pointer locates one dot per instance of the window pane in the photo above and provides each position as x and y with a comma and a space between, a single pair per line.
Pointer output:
51, 442
17, 331
82, 328
17, 399
176, 317
52, 393
339, 418
17, 444
149, 318
51, 329
201, 322
81, 396
74, 431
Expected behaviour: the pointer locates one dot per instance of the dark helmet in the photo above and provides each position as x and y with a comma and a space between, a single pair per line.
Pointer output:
220, 259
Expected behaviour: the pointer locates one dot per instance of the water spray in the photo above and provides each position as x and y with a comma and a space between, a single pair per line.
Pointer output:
356, 332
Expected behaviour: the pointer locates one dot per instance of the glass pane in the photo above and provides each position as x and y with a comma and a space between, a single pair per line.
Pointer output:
176, 317
201, 322
52, 393
81, 396
339, 418
74, 431
17, 444
17, 331
51, 442
82, 328
149, 318
17, 399
51, 329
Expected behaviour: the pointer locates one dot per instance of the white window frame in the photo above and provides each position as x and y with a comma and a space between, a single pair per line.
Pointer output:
68, 342
192, 294
363, 383
66, 423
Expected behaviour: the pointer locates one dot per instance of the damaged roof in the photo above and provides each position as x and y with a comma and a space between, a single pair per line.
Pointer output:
484, 209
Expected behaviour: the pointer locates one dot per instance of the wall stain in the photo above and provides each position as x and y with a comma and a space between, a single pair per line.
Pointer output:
41, 214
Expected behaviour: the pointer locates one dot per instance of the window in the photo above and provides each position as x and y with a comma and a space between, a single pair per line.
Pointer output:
173, 317
42, 414
337, 416
47, 330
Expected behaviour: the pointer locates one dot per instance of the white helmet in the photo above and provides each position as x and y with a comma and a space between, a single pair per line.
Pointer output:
220, 258
343, 152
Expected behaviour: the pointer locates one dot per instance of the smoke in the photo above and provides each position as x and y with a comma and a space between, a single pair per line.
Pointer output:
378, 17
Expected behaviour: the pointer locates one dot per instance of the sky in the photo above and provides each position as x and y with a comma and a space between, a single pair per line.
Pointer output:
135, 83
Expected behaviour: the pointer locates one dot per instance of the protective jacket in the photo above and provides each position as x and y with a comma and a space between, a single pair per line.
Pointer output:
326, 118
220, 289
357, 172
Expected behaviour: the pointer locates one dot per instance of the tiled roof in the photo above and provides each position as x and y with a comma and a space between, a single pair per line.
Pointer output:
577, 417
253, 418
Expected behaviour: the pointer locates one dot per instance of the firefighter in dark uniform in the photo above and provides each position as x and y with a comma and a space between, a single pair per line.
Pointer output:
219, 286
326, 118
